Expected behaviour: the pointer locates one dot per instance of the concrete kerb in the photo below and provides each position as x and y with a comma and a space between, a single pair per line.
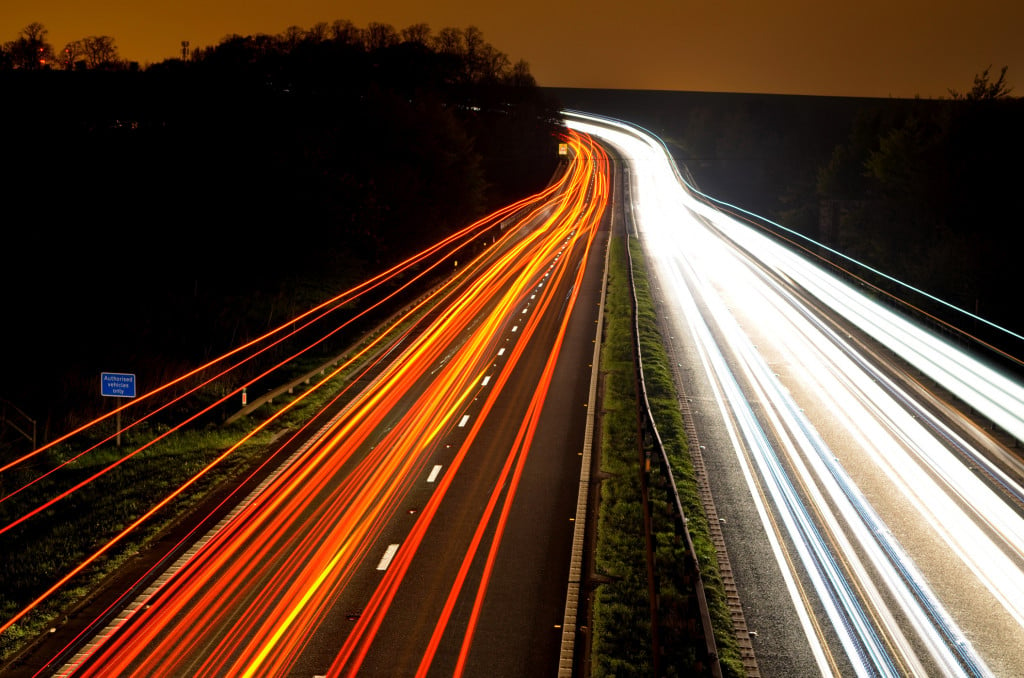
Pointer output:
576, 573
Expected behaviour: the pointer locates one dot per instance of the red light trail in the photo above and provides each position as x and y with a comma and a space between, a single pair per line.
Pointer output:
251, 598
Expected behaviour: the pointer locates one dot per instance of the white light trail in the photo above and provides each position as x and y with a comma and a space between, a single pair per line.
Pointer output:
890, 613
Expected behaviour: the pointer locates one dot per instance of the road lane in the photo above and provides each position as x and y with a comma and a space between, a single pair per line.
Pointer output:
521, 638
895, 550
319, 561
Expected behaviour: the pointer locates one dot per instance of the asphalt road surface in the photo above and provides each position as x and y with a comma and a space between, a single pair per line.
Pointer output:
426, 529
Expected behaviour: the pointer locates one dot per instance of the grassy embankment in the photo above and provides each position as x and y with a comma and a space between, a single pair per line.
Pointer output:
47, 546
621, 621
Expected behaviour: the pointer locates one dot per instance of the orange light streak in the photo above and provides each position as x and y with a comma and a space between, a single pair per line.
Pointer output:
232, 611
484, 223
359, 640
337, 301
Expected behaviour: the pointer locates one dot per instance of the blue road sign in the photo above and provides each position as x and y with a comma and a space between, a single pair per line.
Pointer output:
117, 385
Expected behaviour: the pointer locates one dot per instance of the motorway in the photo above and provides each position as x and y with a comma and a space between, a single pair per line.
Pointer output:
426, 529
872, 516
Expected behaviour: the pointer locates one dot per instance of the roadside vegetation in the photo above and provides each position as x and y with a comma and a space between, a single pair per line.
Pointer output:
164, 214
622, 633
170, 212
920, 189
47, 546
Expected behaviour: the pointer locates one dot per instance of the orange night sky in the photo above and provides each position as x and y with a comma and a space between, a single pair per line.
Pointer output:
899, 48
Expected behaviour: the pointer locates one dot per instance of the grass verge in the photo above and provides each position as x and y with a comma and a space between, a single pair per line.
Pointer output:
41, 550
621, 619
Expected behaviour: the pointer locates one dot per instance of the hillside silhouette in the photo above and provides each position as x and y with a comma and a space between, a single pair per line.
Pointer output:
157, 217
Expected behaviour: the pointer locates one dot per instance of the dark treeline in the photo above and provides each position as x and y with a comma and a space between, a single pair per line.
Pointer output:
154, 217
925, 191
920, 189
